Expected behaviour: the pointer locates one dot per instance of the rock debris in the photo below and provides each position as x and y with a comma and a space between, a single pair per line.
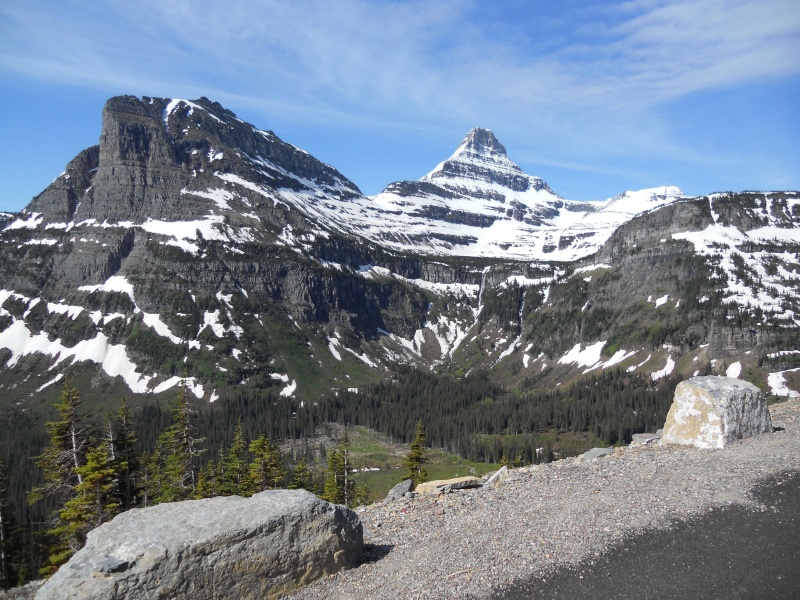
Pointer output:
474, 543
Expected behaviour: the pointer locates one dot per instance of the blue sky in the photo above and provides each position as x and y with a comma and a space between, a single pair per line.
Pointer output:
594, 97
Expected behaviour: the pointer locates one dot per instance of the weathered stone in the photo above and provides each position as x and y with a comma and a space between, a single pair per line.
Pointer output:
497, 477
459, 483
225, 547
594, 453
642, 439
712, 412
399, 490
25, 592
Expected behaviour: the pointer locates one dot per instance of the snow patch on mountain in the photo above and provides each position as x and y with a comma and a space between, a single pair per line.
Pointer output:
778, 386
741, 267
665, 372
115, 283
73, 312
734, 370
590, 357
33, 221
113, 358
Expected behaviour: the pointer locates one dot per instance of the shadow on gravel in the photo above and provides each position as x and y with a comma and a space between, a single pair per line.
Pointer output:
374, 552
734, 552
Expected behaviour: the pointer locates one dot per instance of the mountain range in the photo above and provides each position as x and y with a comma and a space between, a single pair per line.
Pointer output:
190, 245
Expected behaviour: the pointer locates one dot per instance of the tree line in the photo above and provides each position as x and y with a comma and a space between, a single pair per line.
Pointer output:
255, 440
479, 420
89, 474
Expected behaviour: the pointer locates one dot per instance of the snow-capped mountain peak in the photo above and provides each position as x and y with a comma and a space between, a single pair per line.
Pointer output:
481, 143
481, 159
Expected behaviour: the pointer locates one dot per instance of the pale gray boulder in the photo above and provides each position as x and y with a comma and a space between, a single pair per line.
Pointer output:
400, 490
712, 412
593, 454
497, 477
225, 547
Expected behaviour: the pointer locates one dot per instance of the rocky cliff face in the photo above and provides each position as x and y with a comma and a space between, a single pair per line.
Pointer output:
188, 239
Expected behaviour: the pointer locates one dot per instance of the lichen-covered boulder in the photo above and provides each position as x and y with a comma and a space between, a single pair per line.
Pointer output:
712, 412
226, 547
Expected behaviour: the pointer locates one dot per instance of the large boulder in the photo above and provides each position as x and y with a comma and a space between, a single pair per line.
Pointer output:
227, 547
712, 412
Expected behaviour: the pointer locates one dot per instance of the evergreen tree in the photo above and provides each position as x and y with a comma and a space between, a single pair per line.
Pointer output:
415, 459
339, 487
172, 469
205, 484
5, 531
69, 441
266, 470
301, 478
149, 489
94, 503
61, 462
236, 480
334, 478
124, 453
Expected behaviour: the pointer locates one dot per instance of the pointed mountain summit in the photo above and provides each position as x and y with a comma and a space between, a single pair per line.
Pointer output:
482, 158
481, 142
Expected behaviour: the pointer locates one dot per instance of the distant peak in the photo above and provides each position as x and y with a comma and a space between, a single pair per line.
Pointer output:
482, 158
481, 141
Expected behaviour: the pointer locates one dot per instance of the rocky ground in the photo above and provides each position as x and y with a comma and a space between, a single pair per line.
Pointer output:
485, 542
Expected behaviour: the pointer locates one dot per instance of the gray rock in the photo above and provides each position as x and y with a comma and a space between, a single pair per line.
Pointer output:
642, 439
227, 547
448, 485
497, 477
399, 490
25, 592
712, 412
594, 453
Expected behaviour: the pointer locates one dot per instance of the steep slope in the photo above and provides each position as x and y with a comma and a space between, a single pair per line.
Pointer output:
705, 284
177, 244
480, 203
191, 243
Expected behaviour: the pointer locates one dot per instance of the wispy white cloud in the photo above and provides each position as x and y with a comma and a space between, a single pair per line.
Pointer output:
590, 78
413, 56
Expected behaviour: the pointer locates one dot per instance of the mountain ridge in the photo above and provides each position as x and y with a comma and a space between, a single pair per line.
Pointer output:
190, 238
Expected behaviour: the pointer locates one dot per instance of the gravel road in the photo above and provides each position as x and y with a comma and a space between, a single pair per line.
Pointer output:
488, 543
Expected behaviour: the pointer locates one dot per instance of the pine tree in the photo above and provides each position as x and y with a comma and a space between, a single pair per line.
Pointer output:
172, 472
124, 452
205, 484
237, 480
5, 531
94, 503
415, 459
69, 441
334, 478
61, 462
266, 470
339, 488
301, 478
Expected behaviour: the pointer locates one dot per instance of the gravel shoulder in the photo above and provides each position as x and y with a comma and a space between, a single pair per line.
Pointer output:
735, 552
542, 520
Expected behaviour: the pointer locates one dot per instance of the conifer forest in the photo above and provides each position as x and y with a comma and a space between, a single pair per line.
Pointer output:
86, 468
